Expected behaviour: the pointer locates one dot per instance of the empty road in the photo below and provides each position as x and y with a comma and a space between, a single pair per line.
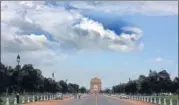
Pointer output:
94, 100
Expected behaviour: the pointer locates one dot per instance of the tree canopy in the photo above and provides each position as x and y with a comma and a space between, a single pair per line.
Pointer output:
29, 79
155, 82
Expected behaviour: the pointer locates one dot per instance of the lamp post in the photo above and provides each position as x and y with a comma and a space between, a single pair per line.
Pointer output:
18, 67
18, 59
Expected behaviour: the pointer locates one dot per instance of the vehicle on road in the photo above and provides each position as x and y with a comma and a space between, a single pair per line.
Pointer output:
123, 96
59, 96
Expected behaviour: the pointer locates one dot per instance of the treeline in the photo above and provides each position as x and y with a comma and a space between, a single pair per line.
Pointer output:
29, 79
155, 82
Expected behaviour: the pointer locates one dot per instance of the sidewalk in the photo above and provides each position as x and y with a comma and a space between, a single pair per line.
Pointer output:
134, 102
48, 102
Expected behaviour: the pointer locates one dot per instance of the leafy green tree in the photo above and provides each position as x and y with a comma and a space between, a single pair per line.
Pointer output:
83, 90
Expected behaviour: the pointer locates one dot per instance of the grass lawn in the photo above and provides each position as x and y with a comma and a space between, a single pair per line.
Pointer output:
174, 97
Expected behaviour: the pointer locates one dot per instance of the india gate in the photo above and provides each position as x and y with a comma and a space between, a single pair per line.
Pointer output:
95, 85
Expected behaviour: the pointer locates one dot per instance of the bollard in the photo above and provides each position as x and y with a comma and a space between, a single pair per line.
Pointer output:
147, 99
171, 102
36, 99
55, 97
7, 101
144, 99
159, 101
15, 101
28, 100
151, 100
44, 97
164, 101
155, 101
40, 98
23, 100
33, 99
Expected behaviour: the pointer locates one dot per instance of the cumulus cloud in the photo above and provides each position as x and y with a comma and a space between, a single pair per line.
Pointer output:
71, 30
40, 33
152, 8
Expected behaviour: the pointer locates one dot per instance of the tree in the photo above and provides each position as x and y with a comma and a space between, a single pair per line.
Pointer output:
30, 79
175, 85
165, 82
63, 85
153, 83
83, 90
143, 84
107, 90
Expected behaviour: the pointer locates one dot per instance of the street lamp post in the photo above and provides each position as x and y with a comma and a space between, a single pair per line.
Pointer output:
18, 59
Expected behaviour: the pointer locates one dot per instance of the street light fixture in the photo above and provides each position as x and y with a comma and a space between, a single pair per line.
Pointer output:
18, 59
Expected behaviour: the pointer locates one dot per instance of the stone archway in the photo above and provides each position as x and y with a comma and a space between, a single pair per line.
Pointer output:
95, 85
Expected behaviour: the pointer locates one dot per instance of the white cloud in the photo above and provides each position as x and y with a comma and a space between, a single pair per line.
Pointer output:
159, 59
162, 60
26, 26
57, 21
152, 8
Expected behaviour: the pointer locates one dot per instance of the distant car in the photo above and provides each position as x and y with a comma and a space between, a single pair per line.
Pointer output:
59, 96
123, 96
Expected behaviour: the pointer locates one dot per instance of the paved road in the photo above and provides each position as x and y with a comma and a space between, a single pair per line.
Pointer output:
94, 100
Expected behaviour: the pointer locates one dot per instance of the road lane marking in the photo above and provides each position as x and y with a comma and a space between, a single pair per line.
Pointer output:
96, 100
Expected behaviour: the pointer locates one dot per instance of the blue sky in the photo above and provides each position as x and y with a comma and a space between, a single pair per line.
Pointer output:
109, 41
